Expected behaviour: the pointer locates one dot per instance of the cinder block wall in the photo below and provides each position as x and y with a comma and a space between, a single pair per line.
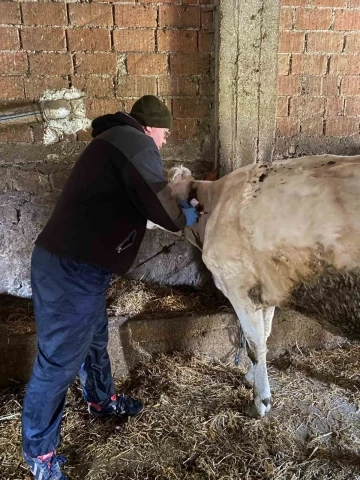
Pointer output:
319, 75
114, 52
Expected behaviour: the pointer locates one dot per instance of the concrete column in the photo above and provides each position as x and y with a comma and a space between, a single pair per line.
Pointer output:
247, 71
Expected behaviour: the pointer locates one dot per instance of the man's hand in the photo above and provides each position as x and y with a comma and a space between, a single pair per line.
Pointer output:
190, 213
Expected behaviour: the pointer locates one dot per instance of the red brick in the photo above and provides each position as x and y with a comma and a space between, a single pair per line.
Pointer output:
35, 86
146, 64
43, 38
94, 86
184, 129
353, 42
325, 42
329, 3
345, 65
18, 134
313, 18
134, 40
12, 88
283, 64
287, 126
50, 63
84, 135
53, 14
10, 13
291, 42
352, 106
162, 1
189, 63
96, 107
282, 109
334, 106
294, 3
313, 127
13, 63
350, 85
9, 38
206, 86
347, 20
206, 41
136, 86
191, 107
89, 39
177, 86
95, 63
286, 19
316, 85
330, 86
119, 1
177, 40
289, 86
309, 64
354, 3
207, 18
306, 106
135, 16
179, 17
90, 14
127, 104
341, 126
37, 133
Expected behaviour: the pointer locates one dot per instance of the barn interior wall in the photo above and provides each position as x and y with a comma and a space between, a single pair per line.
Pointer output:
318, 100
281, 78
114, 52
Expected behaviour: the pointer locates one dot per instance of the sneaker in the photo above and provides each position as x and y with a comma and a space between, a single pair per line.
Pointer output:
46, 467
120, 405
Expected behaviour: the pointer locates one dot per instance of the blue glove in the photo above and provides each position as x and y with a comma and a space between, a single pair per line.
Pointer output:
190, 213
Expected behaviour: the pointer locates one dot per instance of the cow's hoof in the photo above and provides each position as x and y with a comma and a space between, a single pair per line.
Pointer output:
253, 412
267, 403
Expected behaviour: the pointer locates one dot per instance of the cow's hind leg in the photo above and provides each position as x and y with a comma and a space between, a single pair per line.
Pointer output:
268, 314
253, 325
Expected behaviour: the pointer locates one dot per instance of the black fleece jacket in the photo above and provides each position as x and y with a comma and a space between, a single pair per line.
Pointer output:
116, 185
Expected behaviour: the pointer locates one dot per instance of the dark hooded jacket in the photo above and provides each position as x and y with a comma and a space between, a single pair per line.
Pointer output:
116, 185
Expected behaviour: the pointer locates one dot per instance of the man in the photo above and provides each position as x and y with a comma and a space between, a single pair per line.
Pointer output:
96, 228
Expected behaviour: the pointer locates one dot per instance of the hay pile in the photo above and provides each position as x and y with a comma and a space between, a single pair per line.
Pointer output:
133, 297
193, 426
125, 297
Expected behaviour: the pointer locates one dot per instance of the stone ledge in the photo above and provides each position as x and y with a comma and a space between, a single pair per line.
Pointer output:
132, 340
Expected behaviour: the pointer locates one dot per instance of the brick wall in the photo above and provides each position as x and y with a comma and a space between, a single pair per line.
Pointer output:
114, 52
319, 69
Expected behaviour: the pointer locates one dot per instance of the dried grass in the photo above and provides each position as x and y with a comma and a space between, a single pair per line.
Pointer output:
194, 427
125, 297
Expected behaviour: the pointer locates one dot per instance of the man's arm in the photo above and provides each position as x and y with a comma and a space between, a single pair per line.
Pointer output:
149, 190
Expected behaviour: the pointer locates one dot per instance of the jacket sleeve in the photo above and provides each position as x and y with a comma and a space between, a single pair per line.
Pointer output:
149, 191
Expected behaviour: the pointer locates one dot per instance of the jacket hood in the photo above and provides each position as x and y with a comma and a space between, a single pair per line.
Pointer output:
100, 124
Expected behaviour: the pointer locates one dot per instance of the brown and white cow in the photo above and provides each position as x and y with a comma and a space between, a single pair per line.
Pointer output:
285, 234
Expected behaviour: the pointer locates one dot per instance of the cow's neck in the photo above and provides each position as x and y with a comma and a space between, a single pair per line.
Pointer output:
202, 191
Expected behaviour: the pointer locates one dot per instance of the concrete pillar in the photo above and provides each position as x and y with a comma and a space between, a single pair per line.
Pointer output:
247, 70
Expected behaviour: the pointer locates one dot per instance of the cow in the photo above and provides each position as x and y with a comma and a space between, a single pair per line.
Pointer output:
285, 234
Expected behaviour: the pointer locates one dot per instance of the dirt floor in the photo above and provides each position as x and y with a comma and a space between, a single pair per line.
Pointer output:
194, 427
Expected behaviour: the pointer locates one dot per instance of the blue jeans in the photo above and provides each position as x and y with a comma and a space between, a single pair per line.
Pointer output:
72, 331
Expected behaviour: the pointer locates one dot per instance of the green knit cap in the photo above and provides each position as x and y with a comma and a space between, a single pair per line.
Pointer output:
149, 111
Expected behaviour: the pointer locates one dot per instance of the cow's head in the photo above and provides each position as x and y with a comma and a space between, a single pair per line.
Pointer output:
184, 187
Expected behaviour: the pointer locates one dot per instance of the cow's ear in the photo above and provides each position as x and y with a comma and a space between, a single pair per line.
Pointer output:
176, 174
212, 176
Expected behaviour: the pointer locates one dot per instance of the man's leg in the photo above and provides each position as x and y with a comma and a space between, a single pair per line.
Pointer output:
68, 302
95, 372
97, 382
